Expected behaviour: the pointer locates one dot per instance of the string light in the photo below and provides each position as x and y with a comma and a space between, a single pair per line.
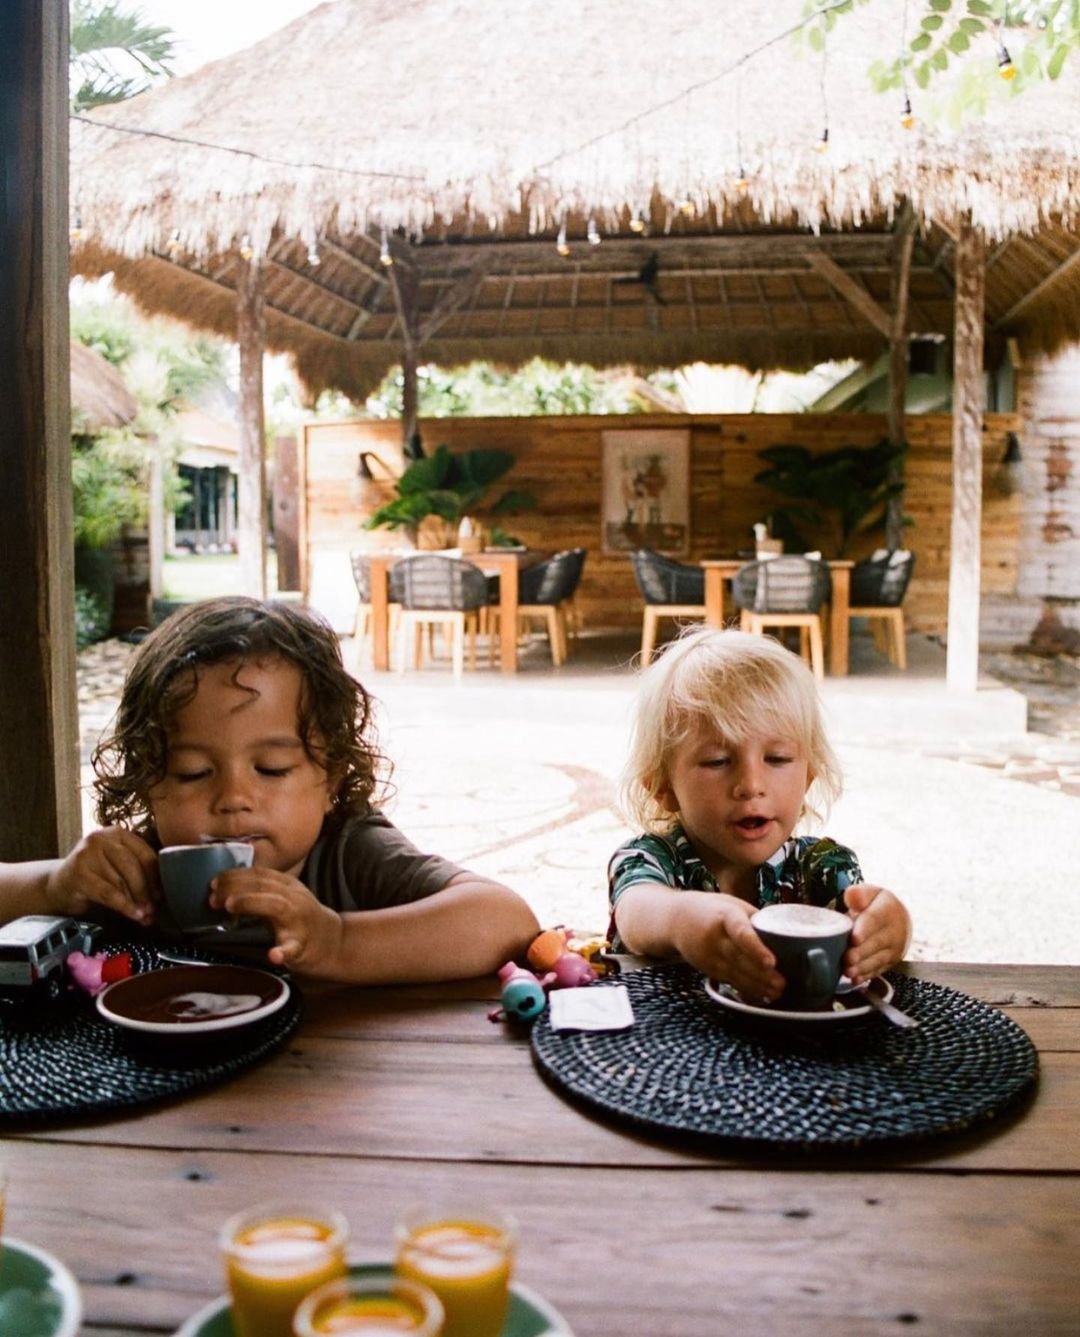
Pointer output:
313, 257
742, 181
686, 204
907, 116
173, 244
592, 233
637, 220
561, 244
246, 248
1006, 69
822, 144
385, 258
77, 231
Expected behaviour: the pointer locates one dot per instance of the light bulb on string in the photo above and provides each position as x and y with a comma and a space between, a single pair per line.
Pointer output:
246, 248
76, 231
822, 144
686, 204
637, 221
561, 244
313, 256
592, 233
742, 180
173, 244
1006, 69
385, 258
907, 116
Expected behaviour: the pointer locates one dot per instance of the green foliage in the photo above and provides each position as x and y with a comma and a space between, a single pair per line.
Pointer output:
1039, 37
450, 486
92, 617
108, 479
836, 494
106, 40
480, 390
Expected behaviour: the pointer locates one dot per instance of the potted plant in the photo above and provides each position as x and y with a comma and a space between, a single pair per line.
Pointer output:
449, 487
838, 494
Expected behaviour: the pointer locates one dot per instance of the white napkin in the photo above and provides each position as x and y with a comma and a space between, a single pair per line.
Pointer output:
588, 1009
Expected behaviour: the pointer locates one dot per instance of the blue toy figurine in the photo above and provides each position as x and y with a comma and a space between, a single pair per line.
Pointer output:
522, 995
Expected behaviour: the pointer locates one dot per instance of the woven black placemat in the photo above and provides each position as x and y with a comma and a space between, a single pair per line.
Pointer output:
689, 1067
64, 1062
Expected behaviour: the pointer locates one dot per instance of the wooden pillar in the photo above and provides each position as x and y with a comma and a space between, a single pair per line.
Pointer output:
410, 395
251, 336
962, 658
898, 367
156, 520
405, 283
286, 513
39, 731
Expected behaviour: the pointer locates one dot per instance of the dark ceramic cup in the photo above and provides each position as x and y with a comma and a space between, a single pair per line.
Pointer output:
809, 944
186, 873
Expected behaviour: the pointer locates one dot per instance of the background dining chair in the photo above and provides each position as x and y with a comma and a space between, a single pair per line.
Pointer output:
669, 589
786, 592
878, 586
438, 591
546, 591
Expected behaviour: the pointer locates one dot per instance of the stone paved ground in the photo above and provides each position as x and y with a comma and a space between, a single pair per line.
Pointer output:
977, 828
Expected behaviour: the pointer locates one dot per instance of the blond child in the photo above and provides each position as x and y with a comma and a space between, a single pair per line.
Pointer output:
727, 752
238, 721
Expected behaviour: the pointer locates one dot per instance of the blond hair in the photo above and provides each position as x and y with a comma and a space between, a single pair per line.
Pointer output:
739, 685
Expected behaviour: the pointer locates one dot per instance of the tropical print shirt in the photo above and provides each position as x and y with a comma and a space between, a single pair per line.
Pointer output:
810, 869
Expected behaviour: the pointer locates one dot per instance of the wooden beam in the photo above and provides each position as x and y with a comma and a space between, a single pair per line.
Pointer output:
251, 337
962, 654
460, 291
851, 290
40, 812
311, 280
376, 275
406, 288
1055, 276
898, 367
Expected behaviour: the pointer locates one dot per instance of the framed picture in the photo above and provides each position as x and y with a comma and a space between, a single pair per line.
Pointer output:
645, 501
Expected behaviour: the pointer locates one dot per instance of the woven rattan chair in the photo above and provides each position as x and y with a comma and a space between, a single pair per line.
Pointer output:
669, 589
545, 592
786, 592
878, 586
438, 591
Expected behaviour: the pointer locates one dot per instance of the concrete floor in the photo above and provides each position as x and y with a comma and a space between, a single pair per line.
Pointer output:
973, 821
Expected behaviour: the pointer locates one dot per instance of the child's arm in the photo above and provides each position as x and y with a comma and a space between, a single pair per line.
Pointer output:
710, 930
470, 927
113, 868
881, 935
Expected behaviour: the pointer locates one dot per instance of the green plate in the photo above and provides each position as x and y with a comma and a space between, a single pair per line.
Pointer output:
38, 1295
529, 1314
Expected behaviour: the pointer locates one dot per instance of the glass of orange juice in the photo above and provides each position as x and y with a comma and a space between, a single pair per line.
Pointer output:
275, 1254
372, 1303
466, 1256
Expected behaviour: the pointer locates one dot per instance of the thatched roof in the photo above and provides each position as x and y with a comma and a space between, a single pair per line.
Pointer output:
99, 397
471, 134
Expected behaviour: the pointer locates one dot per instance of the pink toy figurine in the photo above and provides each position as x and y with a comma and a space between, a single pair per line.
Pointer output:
549, 951
92, 973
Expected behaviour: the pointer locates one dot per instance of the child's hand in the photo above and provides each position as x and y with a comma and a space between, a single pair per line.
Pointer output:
881, 933
715, 936
308, 934
112, 867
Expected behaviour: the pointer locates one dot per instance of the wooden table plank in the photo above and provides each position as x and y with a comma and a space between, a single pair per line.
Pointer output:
767, 1251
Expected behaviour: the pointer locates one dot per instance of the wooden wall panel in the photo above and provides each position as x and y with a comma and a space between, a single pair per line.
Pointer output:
559, 461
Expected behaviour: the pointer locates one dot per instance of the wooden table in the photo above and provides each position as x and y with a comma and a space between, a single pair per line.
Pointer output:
505, 565
385, 1096
720, 569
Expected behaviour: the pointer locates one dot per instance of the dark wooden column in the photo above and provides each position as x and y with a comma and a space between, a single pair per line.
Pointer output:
405, 283
39, 762
962, 658
903, 241
251, 336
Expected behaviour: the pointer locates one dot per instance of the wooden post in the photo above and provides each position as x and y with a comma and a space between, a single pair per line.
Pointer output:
251, 336
898, 367
286, 513
962, 657
410, 394
405, 283
156, 520
39, 728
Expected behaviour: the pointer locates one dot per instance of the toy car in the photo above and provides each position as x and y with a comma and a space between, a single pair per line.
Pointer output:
33, 951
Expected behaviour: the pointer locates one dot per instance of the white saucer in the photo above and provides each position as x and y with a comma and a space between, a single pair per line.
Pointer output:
36, 1288
175, 1001
729, 997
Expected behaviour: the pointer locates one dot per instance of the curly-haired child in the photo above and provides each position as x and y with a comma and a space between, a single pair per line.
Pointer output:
238, 721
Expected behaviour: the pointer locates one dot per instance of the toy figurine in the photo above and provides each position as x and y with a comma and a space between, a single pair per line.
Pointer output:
93, 973
522, 997
550, 951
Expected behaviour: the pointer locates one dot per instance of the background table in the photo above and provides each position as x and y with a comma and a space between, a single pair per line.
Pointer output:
506, 565
717, 570
384, 1096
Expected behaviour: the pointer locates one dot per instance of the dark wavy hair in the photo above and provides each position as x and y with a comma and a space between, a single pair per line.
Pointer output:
336, 724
